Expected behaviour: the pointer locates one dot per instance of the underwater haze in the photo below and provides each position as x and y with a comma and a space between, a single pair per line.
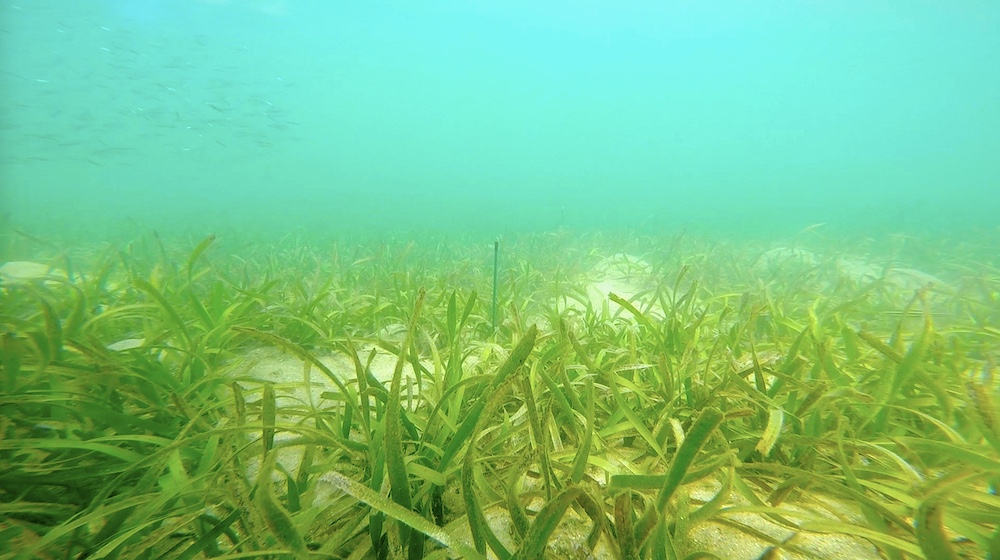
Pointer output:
737, 118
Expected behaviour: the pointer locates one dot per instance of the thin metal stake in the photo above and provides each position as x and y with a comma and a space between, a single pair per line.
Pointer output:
496, 276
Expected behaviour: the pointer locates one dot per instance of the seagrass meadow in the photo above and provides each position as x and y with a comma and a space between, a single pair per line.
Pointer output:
639, 396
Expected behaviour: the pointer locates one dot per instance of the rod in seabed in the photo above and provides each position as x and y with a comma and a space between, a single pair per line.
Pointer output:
496, 277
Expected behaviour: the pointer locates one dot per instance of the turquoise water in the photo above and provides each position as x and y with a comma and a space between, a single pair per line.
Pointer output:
272, 116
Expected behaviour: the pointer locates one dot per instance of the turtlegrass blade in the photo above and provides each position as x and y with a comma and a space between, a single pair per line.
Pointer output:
394, 456
882, 347
545, 523
167, 307
559, 394
929, 517
985, 410
697, 436
930, 529
583, 452
877, 520
206, 320
662, 547
481, 531
391, 509
361, 375
623, 526
267, 417
713, 506
124, 455
639, 316
623, 406
207, 540
904, 371
536, 430
994, 545
872, 535
972, 455
452, 318
510, 365
239, 402
53, 330
277, 519
517, 514
775, 419
13, 349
